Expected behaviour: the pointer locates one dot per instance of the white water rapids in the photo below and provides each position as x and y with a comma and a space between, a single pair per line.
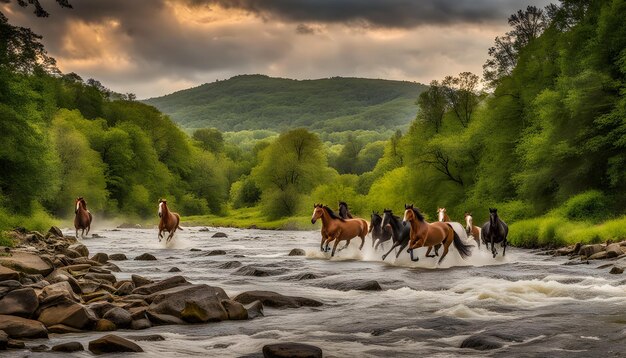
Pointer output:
531, 305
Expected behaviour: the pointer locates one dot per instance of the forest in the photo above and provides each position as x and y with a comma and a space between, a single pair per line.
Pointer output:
541, 137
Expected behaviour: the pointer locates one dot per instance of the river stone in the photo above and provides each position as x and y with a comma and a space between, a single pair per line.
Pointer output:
8, 274
63, 329
163, 319
55, 231
291, 350
21, 302
18, 327
140, 280
273, 299
142, 323
297, 252
73, 315
613, 250
360, 285
219, 234
112, 344
100, 257
15, 344
104, 325
215, 253
26, 263
254, 309
616, 270
80, 248
152, 288
119, 316
125, 289
588, 250
194, 250
254, 271
4, 340
230, 265
8, 286
71, 254
147, 338
598, 256
100, 277
191, 303
112, 267
145, 257
174, 269
68, 347
39, 348
481, 343
118, 257
235, 310
60, 288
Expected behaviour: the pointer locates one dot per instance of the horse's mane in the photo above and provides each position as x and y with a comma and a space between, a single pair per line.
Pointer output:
417, 213
332, 214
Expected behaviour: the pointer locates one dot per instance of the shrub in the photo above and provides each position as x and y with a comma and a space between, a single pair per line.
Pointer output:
589, 205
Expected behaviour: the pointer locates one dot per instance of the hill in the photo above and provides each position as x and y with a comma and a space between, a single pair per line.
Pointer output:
323, 105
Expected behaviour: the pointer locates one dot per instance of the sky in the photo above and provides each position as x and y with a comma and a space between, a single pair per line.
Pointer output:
155, 47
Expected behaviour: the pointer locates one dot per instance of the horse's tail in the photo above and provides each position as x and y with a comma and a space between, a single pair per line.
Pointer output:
178, 223
464, 250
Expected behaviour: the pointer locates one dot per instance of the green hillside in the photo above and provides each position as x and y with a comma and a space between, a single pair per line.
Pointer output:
324, 105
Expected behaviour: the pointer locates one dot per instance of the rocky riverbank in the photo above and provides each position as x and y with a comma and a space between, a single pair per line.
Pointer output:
49, 284
614, 253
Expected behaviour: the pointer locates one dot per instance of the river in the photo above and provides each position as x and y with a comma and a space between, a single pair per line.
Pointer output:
531, 305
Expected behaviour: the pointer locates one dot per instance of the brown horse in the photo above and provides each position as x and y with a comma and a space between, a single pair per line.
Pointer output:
442, 214
82, 218
472, 230
169, 221
338, 229
427, 234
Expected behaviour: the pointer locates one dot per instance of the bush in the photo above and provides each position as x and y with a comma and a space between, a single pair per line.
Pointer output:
244, 193
191, 205
590, 205
278, 203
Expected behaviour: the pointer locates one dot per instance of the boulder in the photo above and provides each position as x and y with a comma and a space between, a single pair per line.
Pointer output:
142, 323
73, 315
191, 303
100, 257
235, 310
219, 234
15, 344
104, 325
18, 327
147, 338
174, 269
613, 250
291, 350
55, 231
100, 308
145, 257
112, 344
8, 274
297, 252
4, 340
22, 302
39, 348
359, 285
118, 257
119, 316
598, 256
588, 250
140, 281
26, 263
255, 271
151, 288
276, 300
112, 267
62, 288
63, 329
98, 296
100, 277
216, 253
194, 250
68, 347
62, 276
616, 270
8, 286
254, 309
230, 265
125, 289
163, 319
81, 249
481, 342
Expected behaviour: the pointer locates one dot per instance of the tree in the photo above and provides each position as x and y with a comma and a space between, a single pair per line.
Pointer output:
21, 50
210, 139
39, 10
462, 95
433, 105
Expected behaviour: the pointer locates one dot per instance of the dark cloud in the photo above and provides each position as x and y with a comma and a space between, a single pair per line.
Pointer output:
304, 29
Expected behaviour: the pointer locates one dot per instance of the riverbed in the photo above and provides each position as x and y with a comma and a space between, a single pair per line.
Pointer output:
525, 304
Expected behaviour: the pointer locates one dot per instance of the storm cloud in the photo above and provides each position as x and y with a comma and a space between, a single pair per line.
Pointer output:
154, 47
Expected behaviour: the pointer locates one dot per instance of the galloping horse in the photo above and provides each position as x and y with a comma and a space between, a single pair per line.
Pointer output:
442, 214
169, 221
82, 218
400, 233
470, 229
427, 234
495, 231
338, 229
379, 232
344, 212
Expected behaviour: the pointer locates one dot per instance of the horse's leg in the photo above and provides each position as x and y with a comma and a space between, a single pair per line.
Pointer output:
88, 228
414, 259
446, 244
504, 243
493, 248
328, 240
334, 246
346, 245
322, 243
160, 236
395, 244
428, 252
76, 233
82, 234
362, 242
402, 246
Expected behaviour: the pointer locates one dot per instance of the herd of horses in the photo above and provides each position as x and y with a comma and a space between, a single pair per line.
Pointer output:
412, 231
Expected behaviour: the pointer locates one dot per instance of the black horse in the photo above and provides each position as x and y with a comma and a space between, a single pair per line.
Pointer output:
344, 212
400, 233
494, 231
379, 232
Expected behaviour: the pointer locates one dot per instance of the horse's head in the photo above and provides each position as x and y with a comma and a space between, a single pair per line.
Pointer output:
387, 215
469, 221
162, 206
441, 214
408, 213
318, 211
493, 216
344, 212
78, 203
376, 218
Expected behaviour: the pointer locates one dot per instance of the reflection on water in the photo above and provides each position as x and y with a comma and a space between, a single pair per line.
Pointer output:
531, 305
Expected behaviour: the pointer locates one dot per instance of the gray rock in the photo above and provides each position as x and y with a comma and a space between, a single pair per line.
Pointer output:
140, 280
598, 256
219, 234
22, 302
616, 270
254, 309
4, 340
190, 303
125, 289
113, 344
145, 257
273, 299
613, 250
481, 342
168, 283
216, 253
138, 324
147, 338
119, 316
291, 350
73, 315
100, 257
68, 347
174, 269
297, 252
588, 250
118, 257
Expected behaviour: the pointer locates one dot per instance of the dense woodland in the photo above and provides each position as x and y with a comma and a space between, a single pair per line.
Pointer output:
542, 138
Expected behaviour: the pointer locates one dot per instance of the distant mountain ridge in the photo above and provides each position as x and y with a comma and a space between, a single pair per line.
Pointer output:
249, 102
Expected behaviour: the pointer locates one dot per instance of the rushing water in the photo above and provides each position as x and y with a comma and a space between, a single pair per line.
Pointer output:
532, 304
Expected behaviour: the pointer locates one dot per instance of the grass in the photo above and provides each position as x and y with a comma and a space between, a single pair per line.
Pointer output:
556, 231
40, 220
251, 217
5, 239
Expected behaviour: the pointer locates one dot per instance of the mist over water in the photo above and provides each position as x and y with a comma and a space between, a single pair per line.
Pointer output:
530, 305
